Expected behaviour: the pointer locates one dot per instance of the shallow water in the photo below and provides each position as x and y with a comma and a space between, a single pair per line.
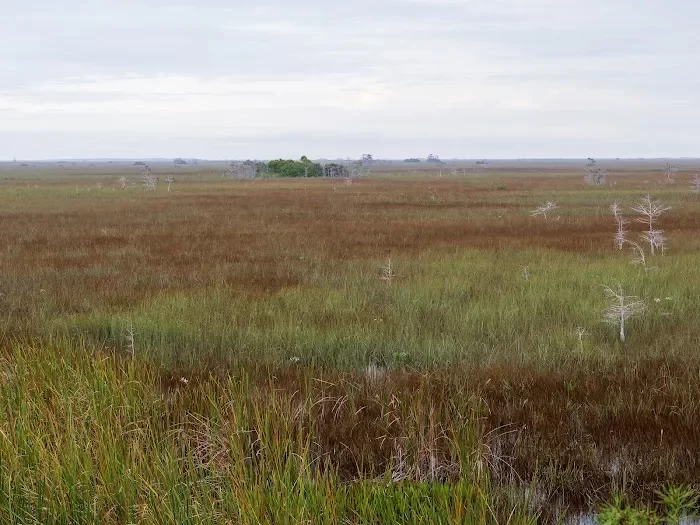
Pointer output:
590, 518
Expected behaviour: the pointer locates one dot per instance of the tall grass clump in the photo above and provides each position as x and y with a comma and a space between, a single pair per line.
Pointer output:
89, 436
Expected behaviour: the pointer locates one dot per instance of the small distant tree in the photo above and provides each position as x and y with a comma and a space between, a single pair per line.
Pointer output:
695, 183
526, 272
388, 273
670, 172
148, 179
656, 240
544, 209
581, 333
336, 171
622, 308
248, 169
651, 210
169, 180
622, 223
123, 182
640, 257
595, 176
357, 169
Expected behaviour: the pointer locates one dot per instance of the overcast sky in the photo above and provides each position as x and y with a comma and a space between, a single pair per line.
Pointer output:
397, 78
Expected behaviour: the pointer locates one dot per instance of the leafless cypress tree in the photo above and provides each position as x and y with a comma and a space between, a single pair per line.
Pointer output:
581, 333
388, 273
651, 210
622, 308
131, 341
336, 171
621, 234
695, 183
357, 169
526, 272
149, 180
595, 176
248, 169
656, 240
544, 209
640, 257
670, 172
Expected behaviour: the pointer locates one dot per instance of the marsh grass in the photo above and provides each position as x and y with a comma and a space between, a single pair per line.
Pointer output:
475, 306
96, 438
273, 376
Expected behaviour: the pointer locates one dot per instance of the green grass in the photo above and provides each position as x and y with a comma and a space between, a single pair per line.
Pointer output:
476, 306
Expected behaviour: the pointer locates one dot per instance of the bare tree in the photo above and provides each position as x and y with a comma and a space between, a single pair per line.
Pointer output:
169, 180
526, 272
670, 172
622, 308
388, 273
544, 209
149, 180
248, 169
131, 340
656, 240
335, 171
478, 166
357, 169
622, 223
695, 183
640, 257
616, 210
595, 176
651, 210
621, 234
581, 333
123, 182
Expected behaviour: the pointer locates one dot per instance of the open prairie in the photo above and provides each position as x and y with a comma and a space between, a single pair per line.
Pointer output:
407, 347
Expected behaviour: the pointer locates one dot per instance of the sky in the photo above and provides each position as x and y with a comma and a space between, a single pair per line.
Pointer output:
223, 79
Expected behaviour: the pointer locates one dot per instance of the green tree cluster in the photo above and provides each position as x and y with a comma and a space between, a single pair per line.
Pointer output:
294, 168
